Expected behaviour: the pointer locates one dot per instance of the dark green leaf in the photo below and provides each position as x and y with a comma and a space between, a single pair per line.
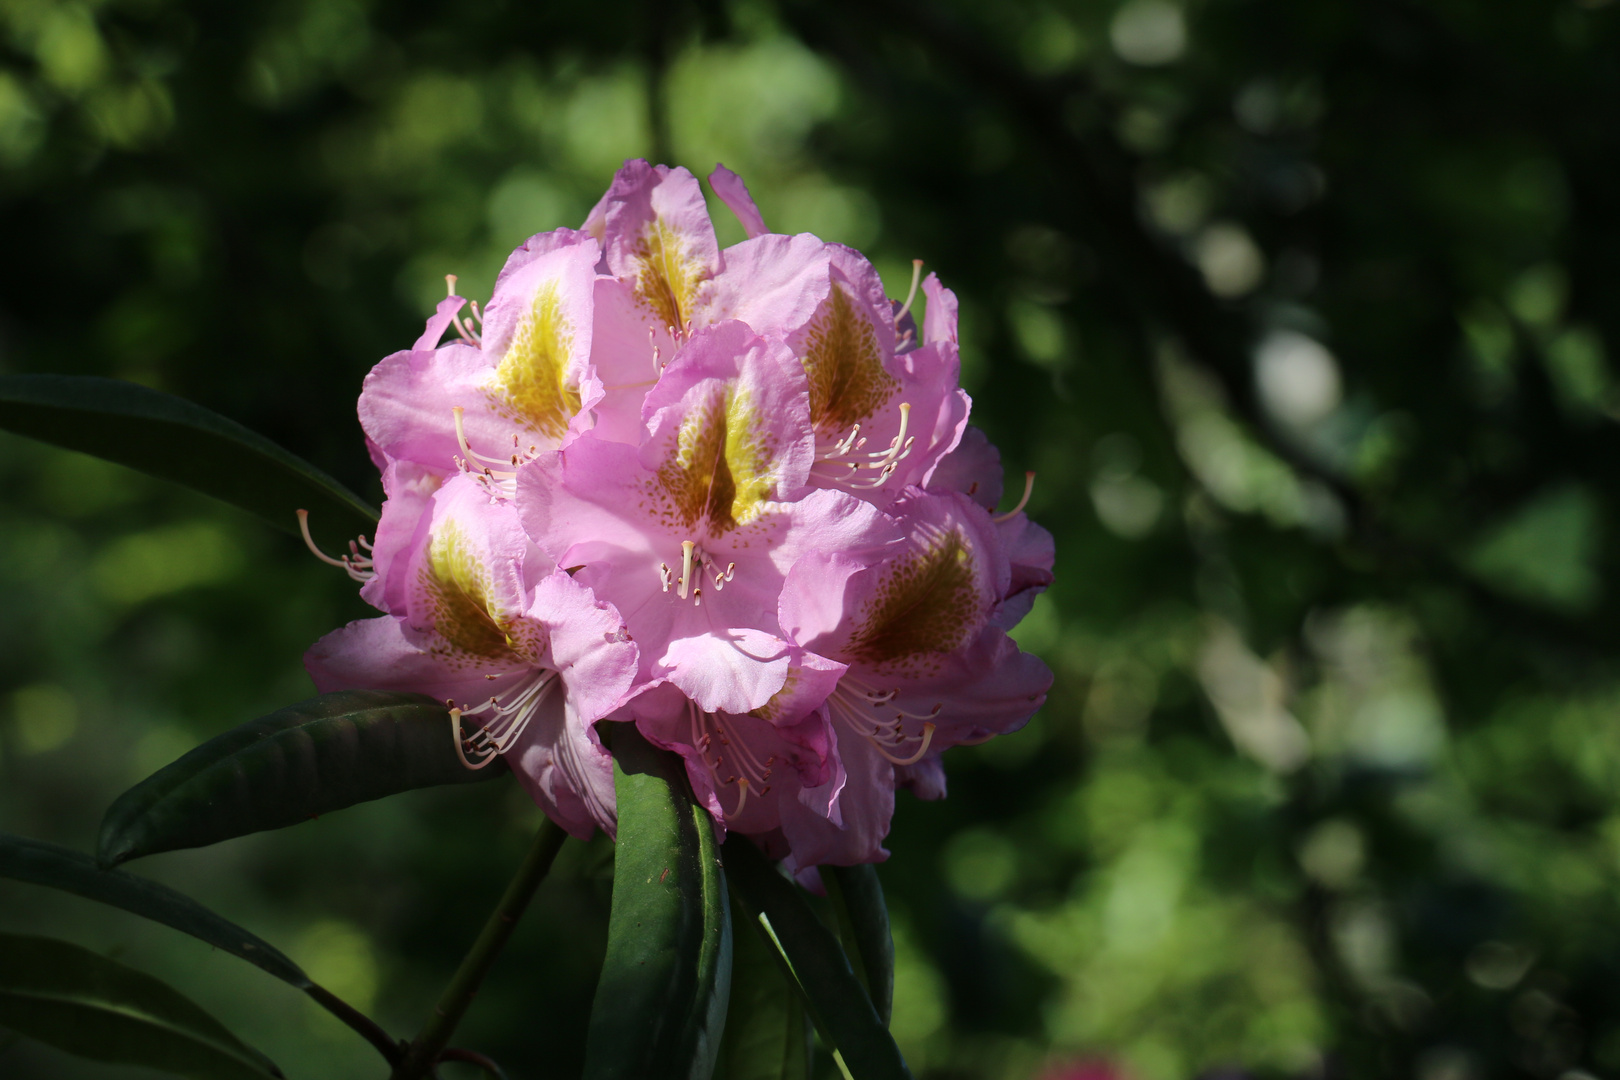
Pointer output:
661, 1002
59, 868
174, 439
768, 1036
837, 1001
97, 1008
305, 760
863, 923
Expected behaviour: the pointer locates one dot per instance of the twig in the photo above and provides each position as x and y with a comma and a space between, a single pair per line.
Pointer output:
392, 1049
425, 1050
472, 1057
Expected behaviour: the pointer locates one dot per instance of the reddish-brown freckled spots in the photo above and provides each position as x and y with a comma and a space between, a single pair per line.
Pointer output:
664, 875
926, 604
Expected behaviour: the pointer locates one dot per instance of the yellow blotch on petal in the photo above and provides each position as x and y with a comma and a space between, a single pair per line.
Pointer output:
928, 603
844, 366
667, 276
719, 475
459, 595
532, 384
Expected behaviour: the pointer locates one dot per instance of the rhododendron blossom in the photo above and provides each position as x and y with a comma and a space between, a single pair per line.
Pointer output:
526, 658
727, 495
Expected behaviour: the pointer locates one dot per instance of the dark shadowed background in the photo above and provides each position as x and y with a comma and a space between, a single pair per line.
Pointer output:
1299, 309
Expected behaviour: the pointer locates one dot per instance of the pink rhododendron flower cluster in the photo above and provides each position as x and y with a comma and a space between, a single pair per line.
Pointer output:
728, 496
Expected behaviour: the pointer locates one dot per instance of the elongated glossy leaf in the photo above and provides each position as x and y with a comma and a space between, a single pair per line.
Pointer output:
661, 1002
863, 923
768, 1036
175, 439
308, 759
56, 867
97, 1008
834, 996
35, 861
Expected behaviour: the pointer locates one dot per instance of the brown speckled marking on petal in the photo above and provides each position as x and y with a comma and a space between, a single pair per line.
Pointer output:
458, 591
718, 476
927, 604
844, 366
667, 276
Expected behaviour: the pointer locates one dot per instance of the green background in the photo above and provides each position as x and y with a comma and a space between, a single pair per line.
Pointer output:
1299, 309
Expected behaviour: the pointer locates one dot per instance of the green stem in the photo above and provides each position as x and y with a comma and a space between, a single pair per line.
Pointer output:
458, 993
391, 1049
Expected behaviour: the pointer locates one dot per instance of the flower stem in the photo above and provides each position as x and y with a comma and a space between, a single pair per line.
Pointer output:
425, 1049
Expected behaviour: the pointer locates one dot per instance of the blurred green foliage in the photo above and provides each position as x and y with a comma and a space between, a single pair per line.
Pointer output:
1299, 310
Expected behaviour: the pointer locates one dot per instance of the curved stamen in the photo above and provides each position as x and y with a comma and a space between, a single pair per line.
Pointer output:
459, 413
916, 278
455, 732
1029, 486
927, 737
356, 565
705, 731
505, 724
884, 462
884, 734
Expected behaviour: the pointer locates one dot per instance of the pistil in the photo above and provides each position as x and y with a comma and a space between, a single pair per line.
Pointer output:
848, 456
500, 483
689, 585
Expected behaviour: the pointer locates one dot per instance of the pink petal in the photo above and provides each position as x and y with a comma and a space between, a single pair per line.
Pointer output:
628, 352
773, 283
939, 323
815, 604
538, 245
537, 335
566, 769
973, 468
747, 395
930, 597
443, 315
734, 193
989, 688
735, 673
467, 575
1031, 552
655, 229
866, 805
586, 644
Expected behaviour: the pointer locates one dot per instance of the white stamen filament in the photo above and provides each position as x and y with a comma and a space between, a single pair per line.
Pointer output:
752, 774
887, 735
847, 472
504, 724
359, 567
694, 563
916, 278
499, 483
1029, 486
465, 329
